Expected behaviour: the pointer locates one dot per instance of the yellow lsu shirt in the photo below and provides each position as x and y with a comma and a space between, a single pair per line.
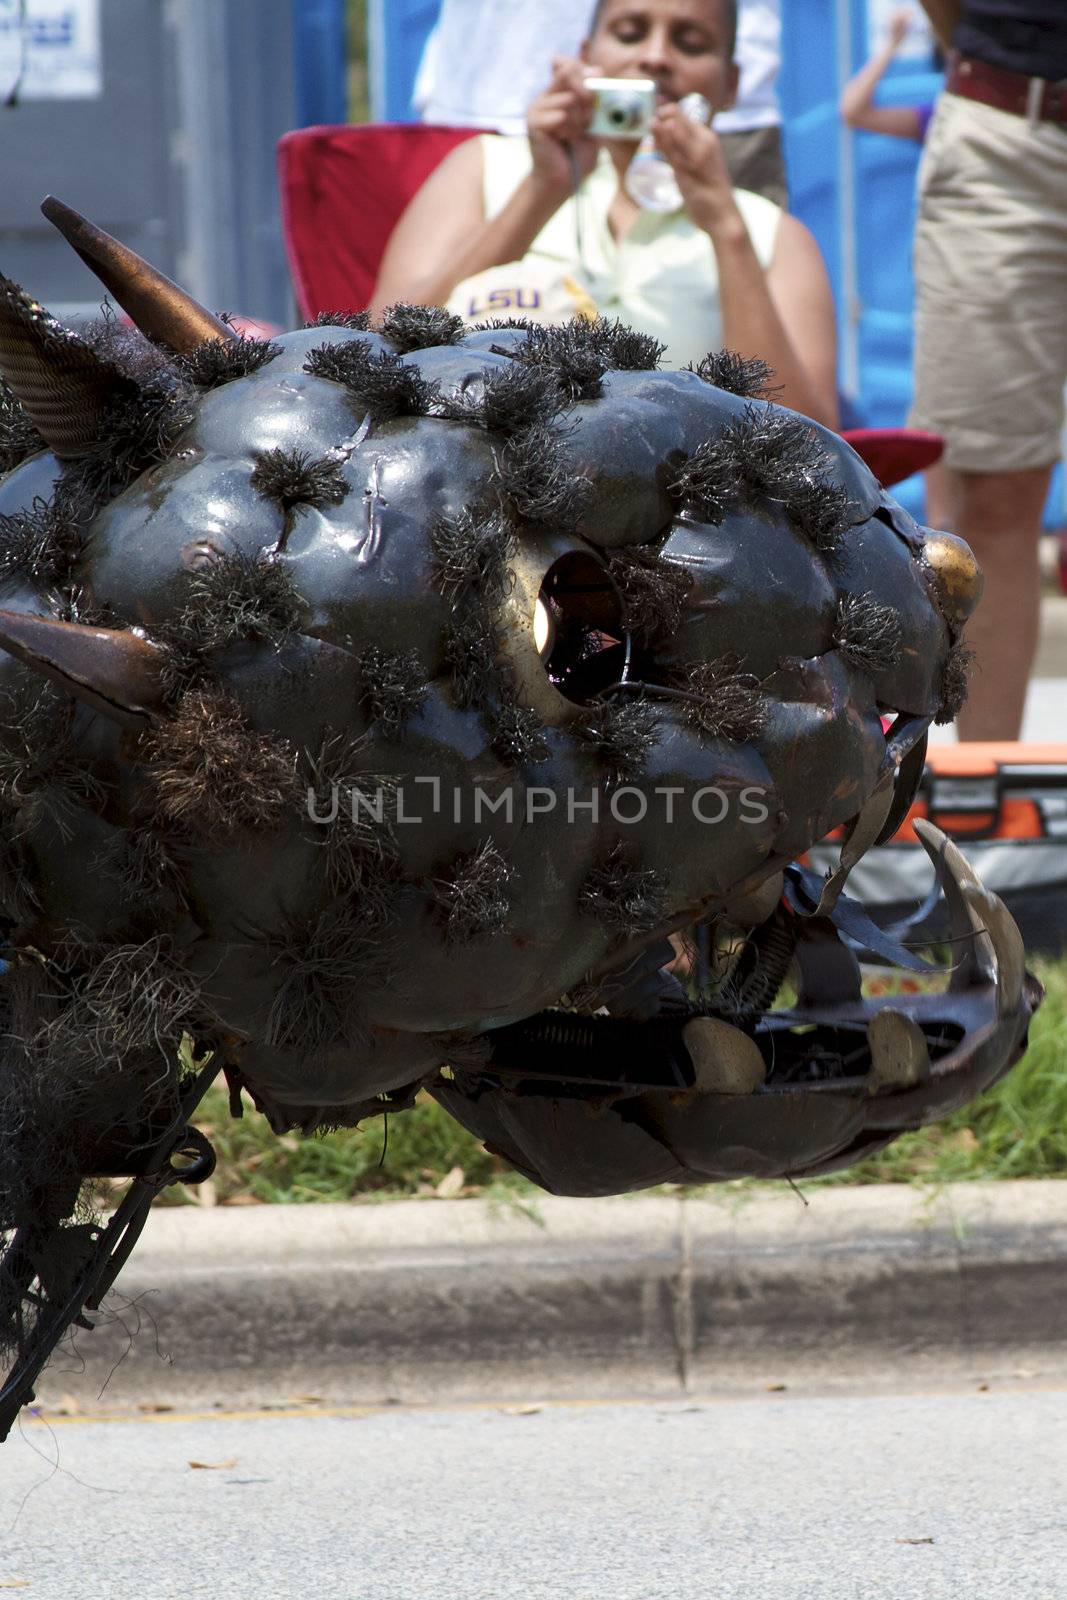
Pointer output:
661, 279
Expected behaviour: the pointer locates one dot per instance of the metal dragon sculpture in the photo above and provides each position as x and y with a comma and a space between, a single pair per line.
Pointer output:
374, 704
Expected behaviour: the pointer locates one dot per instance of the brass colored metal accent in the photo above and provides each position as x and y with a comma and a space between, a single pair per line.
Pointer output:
956, 575
114, 671
159, 307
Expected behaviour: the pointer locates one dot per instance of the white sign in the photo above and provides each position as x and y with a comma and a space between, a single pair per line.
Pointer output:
916, 44
50, 50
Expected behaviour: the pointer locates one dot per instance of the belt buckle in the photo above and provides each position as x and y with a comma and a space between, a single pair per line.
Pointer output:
1035, 101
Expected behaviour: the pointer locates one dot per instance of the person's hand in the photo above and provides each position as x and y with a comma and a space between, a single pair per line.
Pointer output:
556, 123
696, 157
899, 23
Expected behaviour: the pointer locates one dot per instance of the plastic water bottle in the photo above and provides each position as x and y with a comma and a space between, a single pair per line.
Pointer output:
650, 179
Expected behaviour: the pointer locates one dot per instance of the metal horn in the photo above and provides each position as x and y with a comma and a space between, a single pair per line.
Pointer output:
159, 308
63, 386
116, 672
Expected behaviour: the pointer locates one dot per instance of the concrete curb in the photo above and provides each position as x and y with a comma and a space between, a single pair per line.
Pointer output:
450, 1300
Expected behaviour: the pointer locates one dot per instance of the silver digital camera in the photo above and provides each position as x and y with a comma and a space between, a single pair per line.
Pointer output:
623, 108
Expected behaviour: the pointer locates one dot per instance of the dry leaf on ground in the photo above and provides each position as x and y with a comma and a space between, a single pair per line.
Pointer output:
214, 1466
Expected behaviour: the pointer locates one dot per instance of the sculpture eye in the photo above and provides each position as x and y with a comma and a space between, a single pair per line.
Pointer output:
585, 640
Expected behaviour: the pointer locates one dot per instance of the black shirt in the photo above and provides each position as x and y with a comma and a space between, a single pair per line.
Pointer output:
1028, 36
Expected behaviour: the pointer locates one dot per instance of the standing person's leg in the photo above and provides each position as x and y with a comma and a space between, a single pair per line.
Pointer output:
940, 494
991, 357
999, 515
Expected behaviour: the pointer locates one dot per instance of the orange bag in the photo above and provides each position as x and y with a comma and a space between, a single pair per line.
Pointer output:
1005, 805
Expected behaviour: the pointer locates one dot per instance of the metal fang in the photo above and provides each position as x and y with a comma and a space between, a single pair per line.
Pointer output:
973, 949
159, 307
900, 1057
1008, 946
114, 671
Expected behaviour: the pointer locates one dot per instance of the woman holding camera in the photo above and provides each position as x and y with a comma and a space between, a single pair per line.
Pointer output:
554, 212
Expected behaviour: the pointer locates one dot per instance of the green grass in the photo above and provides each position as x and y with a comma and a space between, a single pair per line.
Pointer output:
1018, 1130
416, 1152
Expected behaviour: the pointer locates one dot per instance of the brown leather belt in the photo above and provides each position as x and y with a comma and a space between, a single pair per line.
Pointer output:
1040, 99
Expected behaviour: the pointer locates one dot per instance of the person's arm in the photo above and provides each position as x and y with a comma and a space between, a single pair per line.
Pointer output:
857, 98
944, 15
799, 286
444, 235
784, 316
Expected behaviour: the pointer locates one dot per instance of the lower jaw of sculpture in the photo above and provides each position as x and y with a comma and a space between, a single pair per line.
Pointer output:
599, 1105
588, 1104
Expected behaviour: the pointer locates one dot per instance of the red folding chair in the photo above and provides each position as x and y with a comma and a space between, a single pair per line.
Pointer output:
343, 191
895, 453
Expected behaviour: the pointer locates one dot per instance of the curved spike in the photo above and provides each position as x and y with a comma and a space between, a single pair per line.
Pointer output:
860, 834
116, 672
973, 951
159, 308
1008, 947
63, 386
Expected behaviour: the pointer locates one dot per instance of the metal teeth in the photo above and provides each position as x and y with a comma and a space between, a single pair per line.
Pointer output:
1007, 942
983, 930
725, 1060
899, 1055
862, 832
973, 952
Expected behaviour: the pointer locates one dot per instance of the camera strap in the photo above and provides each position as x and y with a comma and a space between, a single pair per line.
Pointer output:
576, 186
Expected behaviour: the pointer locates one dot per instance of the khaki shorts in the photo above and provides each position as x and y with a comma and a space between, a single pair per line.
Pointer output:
991, 287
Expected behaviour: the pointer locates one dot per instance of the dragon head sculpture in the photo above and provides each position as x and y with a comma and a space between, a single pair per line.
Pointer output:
374, 704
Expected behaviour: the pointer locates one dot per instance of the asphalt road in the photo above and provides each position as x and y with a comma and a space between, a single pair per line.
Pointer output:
951, 1496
